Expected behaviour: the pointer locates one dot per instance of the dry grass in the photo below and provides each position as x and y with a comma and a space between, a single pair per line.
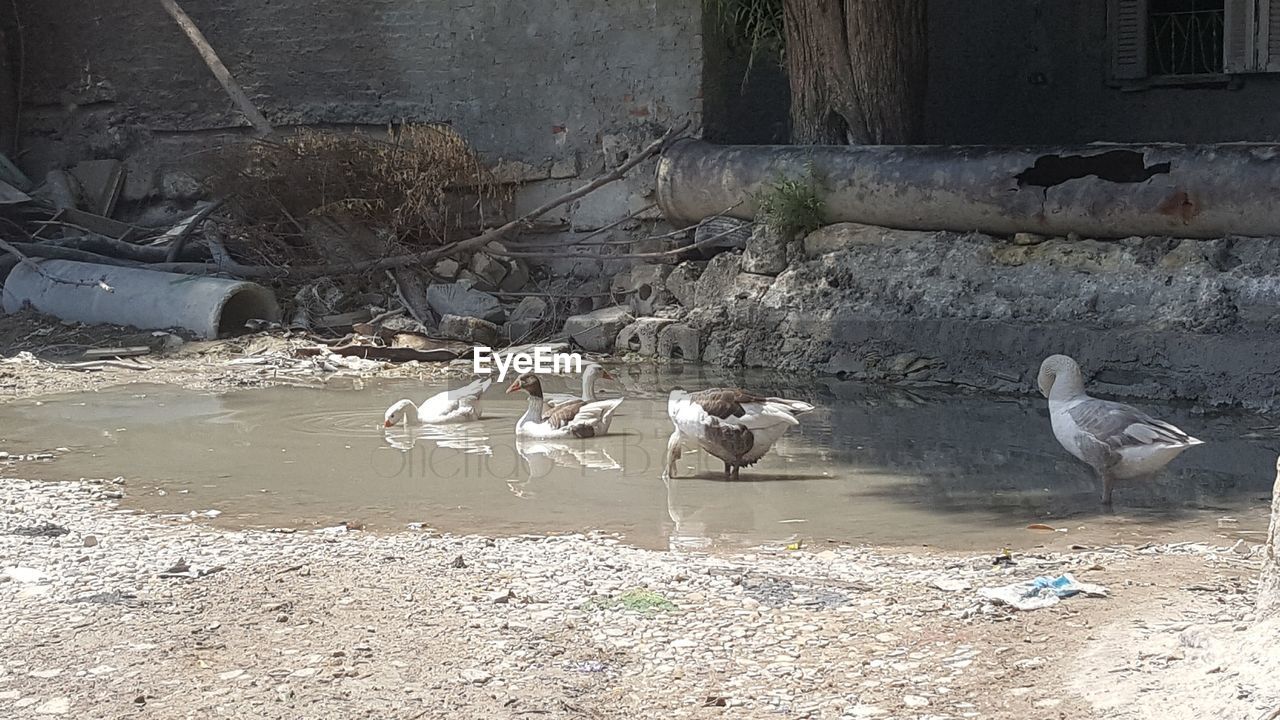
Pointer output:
419, 185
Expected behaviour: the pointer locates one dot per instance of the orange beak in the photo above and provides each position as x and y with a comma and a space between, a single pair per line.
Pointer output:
606, 375
515, 386
387, 424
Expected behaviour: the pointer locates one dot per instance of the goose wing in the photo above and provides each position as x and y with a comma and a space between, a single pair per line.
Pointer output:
1118, 426
449, 401
739, 407
558, 399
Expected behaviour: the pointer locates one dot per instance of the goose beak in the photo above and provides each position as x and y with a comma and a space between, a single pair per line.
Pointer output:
387, 424
607, 376
515, 386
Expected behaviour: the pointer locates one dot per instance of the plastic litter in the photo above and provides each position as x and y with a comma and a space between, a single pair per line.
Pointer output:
1041, 592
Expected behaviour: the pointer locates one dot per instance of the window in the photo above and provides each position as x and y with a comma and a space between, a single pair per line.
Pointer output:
1184, 37
1192, 40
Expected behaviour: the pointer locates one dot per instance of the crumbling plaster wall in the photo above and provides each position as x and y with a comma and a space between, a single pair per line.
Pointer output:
554, 88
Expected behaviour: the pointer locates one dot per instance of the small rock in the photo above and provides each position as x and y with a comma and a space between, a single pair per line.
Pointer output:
683, 281
476, 676
1028, 238
501, 597
489, 270
529, 308
461, 299
46, 674
9, 695
951, 584
447, 269
596, 331
766, 252
469, 329
517, 276
54, 706
24, 574
231, 674
90, 540
915, 701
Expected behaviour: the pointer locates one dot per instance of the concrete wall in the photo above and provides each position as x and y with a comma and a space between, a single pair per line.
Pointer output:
1035, 71
542, 82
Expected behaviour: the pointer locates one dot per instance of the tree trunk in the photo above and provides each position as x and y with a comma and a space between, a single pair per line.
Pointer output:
1269, 593
857, 69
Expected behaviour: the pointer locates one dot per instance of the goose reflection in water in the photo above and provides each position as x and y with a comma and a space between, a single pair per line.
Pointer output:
542, 457
468, 438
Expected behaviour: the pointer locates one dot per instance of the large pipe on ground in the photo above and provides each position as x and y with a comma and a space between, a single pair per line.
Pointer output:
145, 299
1199, 191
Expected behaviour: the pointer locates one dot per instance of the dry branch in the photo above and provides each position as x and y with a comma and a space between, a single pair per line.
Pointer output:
175, 248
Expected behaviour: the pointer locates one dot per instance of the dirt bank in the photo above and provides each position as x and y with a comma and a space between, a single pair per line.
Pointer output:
42, 355
338, 623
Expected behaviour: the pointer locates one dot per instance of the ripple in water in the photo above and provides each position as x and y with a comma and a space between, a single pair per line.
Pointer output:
336, 422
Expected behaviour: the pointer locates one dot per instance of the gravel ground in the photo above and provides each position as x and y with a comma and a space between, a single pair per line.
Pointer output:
342, 624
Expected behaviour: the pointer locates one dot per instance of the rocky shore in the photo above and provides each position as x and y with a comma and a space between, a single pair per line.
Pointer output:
112, 614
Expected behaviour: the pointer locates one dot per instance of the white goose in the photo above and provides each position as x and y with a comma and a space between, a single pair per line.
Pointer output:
733, 425
589, 375
460, 405
1118, 441
575, 419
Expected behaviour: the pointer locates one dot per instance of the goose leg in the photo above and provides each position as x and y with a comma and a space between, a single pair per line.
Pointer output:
736, 469
728, 472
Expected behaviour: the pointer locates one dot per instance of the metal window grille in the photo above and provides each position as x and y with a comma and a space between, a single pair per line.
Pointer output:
1185, 37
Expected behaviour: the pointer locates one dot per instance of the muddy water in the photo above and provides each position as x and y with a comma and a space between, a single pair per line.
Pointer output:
871, 464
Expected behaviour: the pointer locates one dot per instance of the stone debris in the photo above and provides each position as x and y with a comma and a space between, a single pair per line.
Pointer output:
683, 281
641, 336
461, 299
469, 329
679, 341
646, 289
766, 252
596, 331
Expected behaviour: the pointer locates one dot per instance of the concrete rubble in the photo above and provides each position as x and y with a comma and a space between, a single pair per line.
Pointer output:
596, 331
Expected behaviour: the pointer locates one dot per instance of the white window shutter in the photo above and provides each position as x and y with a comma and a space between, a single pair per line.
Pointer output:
1127, 23
1240, 28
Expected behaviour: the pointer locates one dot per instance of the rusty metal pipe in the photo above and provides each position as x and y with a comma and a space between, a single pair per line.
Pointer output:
1100, 190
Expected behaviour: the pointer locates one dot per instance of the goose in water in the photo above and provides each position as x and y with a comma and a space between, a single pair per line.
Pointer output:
577, 419
1118, 441
733, 425
461, 405
589, 375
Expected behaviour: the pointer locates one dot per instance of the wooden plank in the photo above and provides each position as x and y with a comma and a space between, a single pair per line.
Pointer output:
220, 71
102, 181
116, 352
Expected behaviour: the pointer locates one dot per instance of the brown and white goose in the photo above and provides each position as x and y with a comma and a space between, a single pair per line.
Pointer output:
1118, 441
735, 426
577, 419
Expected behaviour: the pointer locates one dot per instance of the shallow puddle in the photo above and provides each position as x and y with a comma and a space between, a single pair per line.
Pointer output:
871, 464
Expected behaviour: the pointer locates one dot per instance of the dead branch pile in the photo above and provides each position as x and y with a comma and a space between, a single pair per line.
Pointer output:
420, 186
